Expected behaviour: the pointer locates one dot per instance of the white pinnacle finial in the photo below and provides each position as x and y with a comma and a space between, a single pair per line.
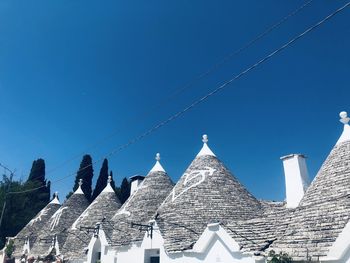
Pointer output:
55, 199
108, 188
346, 133
157, 167
205, 138
79, 190
205, 149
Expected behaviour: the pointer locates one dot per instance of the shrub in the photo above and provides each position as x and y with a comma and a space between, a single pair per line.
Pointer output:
278, 258
10, 247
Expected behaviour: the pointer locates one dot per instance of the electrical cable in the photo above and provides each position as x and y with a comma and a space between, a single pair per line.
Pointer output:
189, 84
210, 94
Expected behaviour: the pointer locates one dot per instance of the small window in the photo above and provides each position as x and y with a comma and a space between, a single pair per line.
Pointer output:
154, 259
152, 256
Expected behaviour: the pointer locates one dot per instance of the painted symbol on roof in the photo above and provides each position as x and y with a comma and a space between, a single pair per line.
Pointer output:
56, 217
81, 218
38, 218
193, 179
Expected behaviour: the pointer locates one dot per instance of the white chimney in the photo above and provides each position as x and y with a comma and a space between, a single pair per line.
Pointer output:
297, 178
136, 180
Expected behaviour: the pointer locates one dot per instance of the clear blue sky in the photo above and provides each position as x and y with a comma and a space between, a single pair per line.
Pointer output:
74, 72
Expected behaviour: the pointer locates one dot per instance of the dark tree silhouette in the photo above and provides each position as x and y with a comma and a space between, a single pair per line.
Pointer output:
124, 191
101, 180
85, 172
112, 183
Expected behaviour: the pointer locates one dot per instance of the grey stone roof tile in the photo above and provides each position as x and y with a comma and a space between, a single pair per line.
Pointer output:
32, 229
102, 208
323, 212
139, 208
59, 223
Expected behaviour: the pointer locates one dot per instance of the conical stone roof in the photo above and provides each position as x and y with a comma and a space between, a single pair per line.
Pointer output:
60, 222
31, 230
325, 208
102, 208
206, 193
140, 207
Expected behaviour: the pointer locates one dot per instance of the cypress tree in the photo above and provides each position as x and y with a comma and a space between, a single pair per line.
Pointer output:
124, 190
37, 199
85, 172
37, 173
112, 183
37, 179
69, 194
101, 180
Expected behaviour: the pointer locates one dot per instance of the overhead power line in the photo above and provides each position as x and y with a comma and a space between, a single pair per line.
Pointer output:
191, 83
210, 94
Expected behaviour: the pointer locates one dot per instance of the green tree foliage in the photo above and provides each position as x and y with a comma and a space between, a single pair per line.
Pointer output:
10, 247
278, 258
10, 225
123, 192
85, 172
22, 207
101, 180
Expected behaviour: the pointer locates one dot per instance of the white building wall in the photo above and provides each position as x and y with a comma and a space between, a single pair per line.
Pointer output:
100, 244
347, 257
130, 254
340, 250
216, 251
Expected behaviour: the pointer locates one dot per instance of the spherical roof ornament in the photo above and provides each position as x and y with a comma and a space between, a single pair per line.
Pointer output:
205, 149
157, 167
108, 188
205, 138
344, 117
346, 132
79, 190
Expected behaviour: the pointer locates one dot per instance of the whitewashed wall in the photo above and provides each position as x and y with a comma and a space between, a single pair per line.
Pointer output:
340, 250
100, 244
216, 250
